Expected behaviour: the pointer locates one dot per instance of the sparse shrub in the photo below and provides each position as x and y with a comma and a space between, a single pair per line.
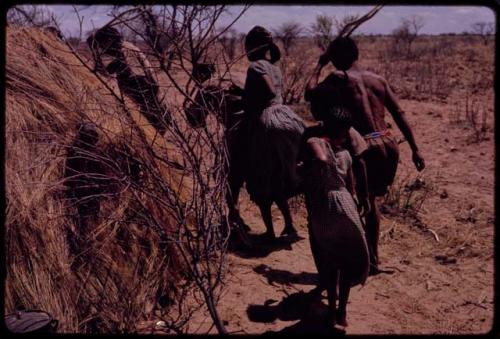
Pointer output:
484, 30
229, 41
30, 15
472, 115
288, 33
406, 34
407, 195
295, 66
476, 118
322, 31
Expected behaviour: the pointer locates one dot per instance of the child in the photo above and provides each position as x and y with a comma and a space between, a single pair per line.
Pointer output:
338, 241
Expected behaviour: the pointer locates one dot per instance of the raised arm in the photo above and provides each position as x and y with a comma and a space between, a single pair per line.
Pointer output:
313, 80
399, 117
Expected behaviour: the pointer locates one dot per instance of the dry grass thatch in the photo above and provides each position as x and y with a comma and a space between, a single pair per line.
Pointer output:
129, 257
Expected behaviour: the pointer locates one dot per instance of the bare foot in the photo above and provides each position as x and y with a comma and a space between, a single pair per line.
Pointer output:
341, 319
374, 270
290, 231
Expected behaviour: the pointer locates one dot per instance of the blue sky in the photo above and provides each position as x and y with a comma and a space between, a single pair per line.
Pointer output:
437, 19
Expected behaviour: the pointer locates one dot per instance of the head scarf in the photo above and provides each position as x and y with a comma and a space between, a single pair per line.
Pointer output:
258, 38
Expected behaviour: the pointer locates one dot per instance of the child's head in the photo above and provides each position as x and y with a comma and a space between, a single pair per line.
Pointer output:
337, 123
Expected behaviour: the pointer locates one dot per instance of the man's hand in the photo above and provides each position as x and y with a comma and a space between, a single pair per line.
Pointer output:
364, 207
418, 161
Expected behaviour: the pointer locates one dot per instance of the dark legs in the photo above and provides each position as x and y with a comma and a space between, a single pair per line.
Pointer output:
265, 211
285, 210
317, 261
232, 197
331, 291
372, 234
344, 289
372, 230
338, 316
234, 218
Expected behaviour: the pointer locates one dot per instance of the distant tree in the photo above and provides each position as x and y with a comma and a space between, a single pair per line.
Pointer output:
288, 33
341, 23
408, 31
322, 30
229, 41
30, 15
484, 30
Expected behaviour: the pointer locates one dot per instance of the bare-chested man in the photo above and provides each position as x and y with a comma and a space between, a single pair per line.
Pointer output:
366, 95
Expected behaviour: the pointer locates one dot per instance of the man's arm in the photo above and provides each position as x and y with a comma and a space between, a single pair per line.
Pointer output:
399, 117
359, 170
314, 78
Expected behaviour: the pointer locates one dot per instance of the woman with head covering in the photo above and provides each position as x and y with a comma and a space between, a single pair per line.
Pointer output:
274, 131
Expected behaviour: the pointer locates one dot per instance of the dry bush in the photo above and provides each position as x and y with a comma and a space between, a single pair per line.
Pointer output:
160, 237
295, 67
229, 41
30, 15
471, 114
322, 31
46, 99
288, 34
484, 30
436, 73
405, 34
407, 195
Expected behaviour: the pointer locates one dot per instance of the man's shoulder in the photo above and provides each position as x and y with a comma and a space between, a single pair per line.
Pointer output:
333, 78
370, 75
324, 88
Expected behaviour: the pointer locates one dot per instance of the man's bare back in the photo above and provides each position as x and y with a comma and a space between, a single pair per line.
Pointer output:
366, 95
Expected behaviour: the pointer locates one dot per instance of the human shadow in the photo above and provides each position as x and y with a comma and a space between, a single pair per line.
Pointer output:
286, 277
305, 307
259, 246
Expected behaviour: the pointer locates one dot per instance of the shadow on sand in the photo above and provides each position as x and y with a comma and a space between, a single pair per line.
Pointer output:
305, 307
259, 246
284, 277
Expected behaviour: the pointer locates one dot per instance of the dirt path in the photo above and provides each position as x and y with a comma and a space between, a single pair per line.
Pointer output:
267, 289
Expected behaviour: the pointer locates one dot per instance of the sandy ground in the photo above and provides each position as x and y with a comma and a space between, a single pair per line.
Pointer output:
267, 288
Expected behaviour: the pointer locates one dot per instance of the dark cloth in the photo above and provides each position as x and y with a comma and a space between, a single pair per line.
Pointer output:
381, 160
86, 183
274, 133
85, 178
84, 174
